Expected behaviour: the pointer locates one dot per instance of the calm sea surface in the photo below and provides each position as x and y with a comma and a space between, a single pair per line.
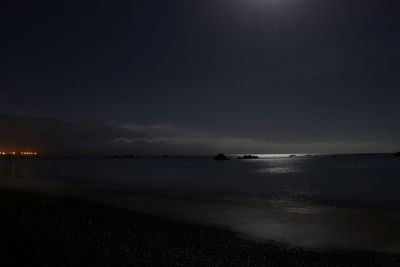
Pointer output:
348, 202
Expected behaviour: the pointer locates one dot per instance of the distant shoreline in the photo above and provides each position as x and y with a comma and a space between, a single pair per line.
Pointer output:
180, 156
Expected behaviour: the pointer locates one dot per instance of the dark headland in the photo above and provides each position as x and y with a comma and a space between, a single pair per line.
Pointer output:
46, 231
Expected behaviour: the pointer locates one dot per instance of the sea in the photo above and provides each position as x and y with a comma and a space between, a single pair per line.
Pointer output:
313, 201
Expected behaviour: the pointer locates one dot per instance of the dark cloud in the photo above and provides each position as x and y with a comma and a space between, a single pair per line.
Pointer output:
56, 137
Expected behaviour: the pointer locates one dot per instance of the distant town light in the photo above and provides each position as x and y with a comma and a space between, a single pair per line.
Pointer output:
21, 153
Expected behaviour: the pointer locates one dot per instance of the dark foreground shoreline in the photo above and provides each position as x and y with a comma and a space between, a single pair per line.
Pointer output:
38, 230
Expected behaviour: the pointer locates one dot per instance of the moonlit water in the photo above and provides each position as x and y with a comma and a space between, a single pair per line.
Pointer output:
348, 202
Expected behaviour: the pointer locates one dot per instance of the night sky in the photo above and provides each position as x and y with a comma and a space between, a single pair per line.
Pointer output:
200, 76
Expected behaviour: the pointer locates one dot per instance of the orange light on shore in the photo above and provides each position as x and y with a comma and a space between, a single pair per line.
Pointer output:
22, 153
28, 153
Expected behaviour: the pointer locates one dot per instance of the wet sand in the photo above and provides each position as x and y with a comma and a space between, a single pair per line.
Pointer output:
39, 230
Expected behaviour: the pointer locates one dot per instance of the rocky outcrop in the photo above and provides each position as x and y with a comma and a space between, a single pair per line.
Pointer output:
221, 156
249, 157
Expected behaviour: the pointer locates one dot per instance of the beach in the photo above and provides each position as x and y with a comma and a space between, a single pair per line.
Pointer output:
39, 230
200, 133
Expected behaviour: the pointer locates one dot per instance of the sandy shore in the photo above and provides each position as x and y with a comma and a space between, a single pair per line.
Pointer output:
39, 230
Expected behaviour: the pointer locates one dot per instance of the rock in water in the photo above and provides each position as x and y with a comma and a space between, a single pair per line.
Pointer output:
221, 156
248, 157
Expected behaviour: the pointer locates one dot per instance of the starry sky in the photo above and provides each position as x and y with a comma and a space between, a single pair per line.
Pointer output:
200, 76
